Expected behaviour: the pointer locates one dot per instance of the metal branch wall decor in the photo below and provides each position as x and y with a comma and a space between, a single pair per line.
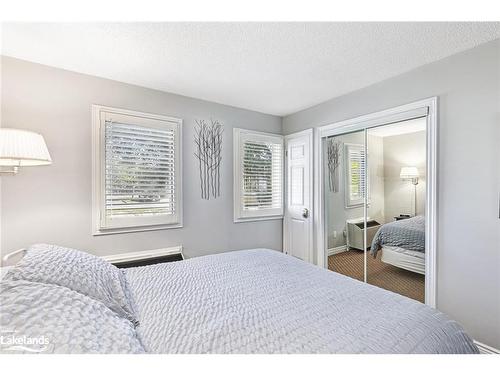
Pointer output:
208, 140
333, 158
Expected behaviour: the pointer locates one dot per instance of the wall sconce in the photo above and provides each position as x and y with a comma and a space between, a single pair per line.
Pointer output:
21, 148
411, 173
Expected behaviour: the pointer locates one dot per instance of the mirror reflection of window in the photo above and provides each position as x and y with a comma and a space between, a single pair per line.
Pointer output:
355, 174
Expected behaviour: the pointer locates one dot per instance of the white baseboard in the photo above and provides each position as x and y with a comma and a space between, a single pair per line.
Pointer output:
337, 250
486, 349
141, 255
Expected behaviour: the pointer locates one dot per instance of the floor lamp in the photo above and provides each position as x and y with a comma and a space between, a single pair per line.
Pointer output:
411, 173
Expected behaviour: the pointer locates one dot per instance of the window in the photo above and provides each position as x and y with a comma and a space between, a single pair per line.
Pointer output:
258, 175
355, 185
137, 175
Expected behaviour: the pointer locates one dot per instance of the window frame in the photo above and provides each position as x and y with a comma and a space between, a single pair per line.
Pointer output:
98, 169
240, 215
351, 203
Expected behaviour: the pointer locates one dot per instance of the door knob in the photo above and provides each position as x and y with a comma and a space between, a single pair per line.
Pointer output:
305, 213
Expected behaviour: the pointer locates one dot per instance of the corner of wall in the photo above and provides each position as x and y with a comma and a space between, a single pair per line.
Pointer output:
282, 120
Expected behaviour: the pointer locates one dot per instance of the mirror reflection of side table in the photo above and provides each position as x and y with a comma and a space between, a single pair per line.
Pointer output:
401, 217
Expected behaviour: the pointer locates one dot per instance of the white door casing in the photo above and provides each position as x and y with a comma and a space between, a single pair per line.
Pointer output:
298, 219
422, 108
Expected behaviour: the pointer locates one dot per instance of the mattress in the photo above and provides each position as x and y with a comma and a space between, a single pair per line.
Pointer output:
409, 260
262, 301
408, 234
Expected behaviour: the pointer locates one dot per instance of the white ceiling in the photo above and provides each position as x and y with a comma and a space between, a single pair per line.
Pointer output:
275, 68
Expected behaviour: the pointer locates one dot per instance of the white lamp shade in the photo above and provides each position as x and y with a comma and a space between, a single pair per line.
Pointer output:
22, 148
409, 172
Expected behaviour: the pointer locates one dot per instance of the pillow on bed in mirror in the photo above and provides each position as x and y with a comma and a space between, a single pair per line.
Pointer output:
82, 272
48, 318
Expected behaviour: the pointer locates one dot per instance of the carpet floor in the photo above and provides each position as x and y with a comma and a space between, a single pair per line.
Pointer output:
386, 276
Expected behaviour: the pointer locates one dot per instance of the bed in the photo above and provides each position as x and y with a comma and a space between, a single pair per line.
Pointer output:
402, 244
250, 301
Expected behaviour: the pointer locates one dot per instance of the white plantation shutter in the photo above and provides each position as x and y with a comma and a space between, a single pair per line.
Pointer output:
259, 175
262, 174
140, 171
356, 174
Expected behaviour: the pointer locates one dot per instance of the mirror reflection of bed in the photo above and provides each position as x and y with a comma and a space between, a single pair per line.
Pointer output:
392, 176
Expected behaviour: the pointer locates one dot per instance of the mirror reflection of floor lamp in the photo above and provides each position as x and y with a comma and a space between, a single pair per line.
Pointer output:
411, 173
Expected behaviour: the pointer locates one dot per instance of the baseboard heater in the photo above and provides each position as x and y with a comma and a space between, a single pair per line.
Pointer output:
146, 257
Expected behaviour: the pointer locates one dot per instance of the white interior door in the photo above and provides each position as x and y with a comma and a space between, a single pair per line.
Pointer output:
298, 223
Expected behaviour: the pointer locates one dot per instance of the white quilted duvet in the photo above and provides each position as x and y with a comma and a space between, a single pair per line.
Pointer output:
261, 301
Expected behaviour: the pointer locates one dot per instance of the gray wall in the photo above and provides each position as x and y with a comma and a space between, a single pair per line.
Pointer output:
467, 84
376, 206
53, 204
336, 211
399, 151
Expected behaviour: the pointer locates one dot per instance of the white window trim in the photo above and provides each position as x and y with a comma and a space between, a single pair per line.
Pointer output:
347, 178
98, 170
260, 215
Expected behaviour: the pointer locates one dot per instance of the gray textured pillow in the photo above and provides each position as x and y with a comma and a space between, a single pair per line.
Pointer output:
48, 318
82, 272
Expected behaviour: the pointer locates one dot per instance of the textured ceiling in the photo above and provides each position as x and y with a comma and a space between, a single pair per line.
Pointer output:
276, 68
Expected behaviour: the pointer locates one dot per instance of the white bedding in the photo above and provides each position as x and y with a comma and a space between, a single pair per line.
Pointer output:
406, 259
262, 301
60, 320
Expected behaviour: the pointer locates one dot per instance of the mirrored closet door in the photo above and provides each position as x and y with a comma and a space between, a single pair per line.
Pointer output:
375, 191
345, 165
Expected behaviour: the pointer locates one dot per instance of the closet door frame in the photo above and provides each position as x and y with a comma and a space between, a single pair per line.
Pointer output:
422, 108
